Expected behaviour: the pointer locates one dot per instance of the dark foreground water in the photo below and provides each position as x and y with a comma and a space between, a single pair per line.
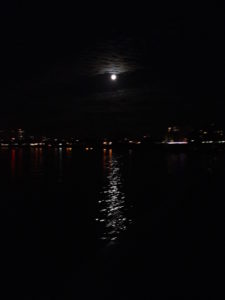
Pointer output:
112, 225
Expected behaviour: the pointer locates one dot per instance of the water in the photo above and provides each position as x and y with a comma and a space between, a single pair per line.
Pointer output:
113, 206
97, 219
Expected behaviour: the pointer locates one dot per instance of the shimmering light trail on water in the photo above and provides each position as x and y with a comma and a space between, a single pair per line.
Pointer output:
112, 199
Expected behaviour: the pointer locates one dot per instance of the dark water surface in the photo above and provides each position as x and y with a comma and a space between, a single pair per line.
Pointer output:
112, 225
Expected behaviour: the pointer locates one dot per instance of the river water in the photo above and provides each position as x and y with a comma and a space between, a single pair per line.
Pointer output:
72, 218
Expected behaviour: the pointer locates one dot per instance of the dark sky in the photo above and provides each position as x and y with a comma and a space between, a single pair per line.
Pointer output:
57, 60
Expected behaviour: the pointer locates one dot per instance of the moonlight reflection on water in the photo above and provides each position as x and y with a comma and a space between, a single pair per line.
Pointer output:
112, 206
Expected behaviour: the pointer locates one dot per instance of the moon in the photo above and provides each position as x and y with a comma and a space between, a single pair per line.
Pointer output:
113, 77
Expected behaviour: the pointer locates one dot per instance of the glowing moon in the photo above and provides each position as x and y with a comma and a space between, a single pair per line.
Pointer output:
113, 77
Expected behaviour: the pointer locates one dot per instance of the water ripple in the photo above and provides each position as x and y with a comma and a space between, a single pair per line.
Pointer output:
112, 203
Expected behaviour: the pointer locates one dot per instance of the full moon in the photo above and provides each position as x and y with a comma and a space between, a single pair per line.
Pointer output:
113, 77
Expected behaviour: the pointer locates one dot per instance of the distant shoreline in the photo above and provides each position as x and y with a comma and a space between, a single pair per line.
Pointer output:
189, 147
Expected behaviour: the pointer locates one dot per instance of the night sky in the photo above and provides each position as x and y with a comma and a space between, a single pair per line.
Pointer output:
57, 61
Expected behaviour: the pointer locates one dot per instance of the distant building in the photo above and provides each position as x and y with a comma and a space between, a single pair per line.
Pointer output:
174, 134
20, 134
210, 134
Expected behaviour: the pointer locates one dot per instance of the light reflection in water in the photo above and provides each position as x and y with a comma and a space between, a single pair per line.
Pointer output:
58, 153
13, 162
16, 162
36, 162
60, 165
20, 161
176, 163
112, 214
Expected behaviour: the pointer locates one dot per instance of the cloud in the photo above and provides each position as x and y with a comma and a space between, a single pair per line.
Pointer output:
111, 56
